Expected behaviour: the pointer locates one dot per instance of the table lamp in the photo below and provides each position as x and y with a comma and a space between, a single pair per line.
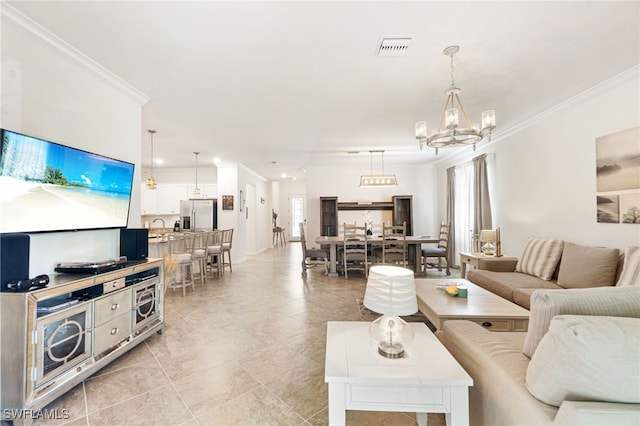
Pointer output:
391, 291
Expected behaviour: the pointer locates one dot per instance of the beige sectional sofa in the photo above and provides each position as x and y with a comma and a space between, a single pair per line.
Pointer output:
549, 264
579, 363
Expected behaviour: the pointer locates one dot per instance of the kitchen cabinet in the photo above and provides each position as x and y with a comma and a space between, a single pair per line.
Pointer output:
209, 190
149, 200
165, 199
169, 197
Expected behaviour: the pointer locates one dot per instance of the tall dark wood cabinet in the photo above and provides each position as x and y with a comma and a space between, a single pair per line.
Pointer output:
328, 216
402, 211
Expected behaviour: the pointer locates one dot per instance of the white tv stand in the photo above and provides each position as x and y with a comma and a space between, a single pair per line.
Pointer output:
55, 337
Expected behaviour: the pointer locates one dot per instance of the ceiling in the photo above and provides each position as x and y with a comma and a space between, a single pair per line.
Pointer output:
284, 86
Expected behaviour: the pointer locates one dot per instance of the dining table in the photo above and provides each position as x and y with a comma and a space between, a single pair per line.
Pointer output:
414, 249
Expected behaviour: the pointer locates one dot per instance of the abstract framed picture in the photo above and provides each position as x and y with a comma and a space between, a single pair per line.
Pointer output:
618, 177
227, 202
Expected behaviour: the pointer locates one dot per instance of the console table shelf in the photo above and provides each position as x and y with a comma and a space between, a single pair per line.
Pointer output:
367, 206
55, 337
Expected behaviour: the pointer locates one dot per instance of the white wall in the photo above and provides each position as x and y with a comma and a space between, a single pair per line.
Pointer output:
420, 182
56, 93
545, 169
231, 179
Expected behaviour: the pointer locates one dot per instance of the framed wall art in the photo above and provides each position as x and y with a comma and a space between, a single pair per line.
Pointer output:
227, 202
618, 177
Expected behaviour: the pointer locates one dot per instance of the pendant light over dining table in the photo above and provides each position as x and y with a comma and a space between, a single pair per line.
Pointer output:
377, 180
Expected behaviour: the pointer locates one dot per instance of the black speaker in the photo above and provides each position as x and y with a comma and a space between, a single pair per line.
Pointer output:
134, 243
14, 258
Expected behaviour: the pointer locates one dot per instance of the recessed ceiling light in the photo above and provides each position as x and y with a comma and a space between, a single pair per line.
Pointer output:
216, 160
158, 161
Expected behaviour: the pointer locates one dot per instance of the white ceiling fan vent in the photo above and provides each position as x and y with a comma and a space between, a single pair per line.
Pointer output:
393, 46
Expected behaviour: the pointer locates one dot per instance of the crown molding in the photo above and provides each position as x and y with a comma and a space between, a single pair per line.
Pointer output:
26, 26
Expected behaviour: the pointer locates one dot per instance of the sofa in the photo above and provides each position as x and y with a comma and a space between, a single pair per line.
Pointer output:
551, 264
578, 364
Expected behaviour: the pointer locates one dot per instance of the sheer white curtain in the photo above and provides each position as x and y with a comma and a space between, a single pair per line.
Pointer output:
464, 209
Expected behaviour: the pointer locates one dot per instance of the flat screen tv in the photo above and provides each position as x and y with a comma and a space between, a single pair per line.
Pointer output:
45, 186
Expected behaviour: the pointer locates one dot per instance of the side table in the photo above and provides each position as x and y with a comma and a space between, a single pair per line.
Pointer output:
427, 380
479, 260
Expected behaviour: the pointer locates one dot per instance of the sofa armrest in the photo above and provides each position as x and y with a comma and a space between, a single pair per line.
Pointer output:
606, 301
587, 413
499, 265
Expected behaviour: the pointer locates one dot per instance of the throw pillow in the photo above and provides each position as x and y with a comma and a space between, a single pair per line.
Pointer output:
584, 266
587, 358
607, 301
540, 258
631, 269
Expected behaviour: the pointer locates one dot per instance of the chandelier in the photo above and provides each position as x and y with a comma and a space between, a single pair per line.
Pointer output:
196, 190
151, 181
449, 132
376, 181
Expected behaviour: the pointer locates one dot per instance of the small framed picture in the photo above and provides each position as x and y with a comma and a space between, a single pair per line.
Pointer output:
227, 202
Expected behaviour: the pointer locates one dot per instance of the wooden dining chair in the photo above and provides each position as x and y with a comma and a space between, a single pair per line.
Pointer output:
431, 254
354, 249
394, 244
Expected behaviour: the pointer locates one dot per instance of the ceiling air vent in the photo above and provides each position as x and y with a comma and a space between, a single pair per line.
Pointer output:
393, 46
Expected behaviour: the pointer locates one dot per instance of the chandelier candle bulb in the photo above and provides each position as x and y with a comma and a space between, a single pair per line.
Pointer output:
452, 118
421, 129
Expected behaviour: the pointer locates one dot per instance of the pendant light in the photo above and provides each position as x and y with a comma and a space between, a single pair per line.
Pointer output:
196, 190
151, 181
377, 180
450, 132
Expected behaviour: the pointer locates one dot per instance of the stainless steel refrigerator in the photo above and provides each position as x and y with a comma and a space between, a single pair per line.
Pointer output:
199, 214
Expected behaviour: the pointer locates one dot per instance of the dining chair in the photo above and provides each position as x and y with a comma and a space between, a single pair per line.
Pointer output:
214, 251
394, 244
311, 257
181, 258
429, 254
354, 249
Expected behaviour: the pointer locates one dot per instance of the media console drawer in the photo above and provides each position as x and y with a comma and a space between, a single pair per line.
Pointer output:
112, 332
112, 306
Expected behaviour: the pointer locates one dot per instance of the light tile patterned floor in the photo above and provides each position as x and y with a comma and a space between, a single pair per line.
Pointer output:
247, 349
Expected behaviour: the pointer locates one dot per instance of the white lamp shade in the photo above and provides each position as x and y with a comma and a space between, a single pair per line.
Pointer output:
391, 290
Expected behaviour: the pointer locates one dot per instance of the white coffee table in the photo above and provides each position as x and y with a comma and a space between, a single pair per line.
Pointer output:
481, 306
427, 380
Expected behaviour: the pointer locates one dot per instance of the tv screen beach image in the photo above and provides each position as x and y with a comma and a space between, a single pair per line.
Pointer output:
45, 186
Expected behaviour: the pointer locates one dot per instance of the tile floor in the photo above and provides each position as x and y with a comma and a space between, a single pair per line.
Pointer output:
247, 349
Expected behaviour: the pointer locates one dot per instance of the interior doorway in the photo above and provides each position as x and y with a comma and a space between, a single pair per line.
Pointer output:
296, 215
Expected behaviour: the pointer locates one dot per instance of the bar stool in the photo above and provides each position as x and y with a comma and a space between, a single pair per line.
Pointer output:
181, 258
227, 242
214, 251
197, 246
278, 236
